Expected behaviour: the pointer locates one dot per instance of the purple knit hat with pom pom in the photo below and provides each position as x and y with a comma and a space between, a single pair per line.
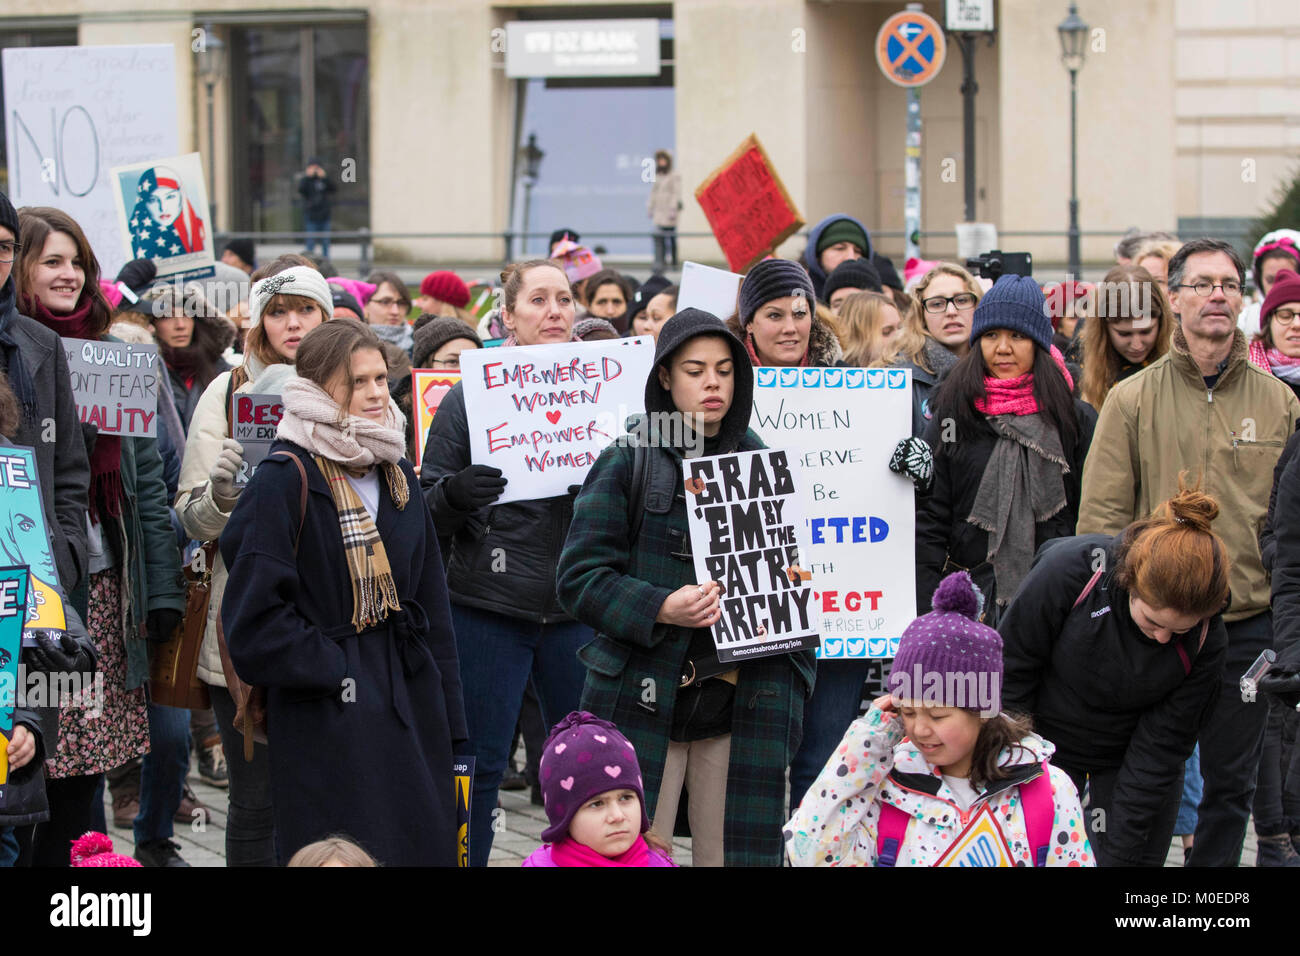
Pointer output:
583, 757
947, 658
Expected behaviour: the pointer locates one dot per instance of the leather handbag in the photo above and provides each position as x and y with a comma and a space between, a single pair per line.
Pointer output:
173, 664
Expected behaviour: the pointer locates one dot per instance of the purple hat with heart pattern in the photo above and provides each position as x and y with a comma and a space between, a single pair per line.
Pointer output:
585, 756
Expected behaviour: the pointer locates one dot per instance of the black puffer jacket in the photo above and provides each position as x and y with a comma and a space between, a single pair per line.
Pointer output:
1285, 556
1268, 533
1102, 691
501, 558
942, 532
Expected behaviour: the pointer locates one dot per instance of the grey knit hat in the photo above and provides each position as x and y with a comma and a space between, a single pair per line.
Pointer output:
437, 332
772, 279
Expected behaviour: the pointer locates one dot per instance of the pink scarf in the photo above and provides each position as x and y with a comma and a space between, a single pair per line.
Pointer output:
1015, 396
568, 852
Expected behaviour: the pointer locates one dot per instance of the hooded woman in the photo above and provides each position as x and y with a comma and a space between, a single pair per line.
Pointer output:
729, 733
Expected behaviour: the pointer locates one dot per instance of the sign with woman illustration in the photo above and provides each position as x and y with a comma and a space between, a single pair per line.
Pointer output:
25, 540
169, 217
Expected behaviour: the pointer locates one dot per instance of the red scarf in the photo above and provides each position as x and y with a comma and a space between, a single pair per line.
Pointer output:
106, 459
1015, 396
753, 356
568, 852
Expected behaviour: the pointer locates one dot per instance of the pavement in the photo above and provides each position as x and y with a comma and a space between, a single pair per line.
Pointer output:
203, 841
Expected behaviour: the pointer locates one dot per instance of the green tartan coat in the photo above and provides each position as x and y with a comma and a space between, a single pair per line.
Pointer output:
634, 665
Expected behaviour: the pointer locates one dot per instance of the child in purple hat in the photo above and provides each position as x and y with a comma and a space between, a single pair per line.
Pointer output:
592, 792
936, 774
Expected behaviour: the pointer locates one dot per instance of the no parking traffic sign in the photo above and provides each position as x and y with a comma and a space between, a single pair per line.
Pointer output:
910, 48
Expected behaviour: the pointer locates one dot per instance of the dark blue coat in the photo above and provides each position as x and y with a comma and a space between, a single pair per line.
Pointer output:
371, 756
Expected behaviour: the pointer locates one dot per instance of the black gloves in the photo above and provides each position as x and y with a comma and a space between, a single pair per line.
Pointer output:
1283, 681
64, 655
90, 433
474, 487
912, 457
161, 624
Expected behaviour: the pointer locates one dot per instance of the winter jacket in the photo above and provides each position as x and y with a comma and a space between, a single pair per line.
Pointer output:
1102, 691
362, 725
22, 796
1163, 421
315, 192
502, 557
837, 822
944, 538
200, 514
542, 857
1268, 533
55, 433
924, 382
809, 260
665, 202
824, 350
1286, 567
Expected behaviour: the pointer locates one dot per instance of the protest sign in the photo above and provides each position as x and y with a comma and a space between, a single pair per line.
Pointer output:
115, 385
462, 772
704, 287
982, 843
254, 419
543, 413
841, 425
428, 387
25, 539
13, 600
74, 113
747, 206
748, 534
162, 208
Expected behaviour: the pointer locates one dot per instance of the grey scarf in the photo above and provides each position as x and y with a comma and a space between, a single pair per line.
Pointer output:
1023, 484
399, 335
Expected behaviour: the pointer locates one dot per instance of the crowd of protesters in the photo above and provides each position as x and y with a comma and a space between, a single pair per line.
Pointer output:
1107, 529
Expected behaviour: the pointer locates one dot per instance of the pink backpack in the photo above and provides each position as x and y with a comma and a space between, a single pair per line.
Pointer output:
1035, 801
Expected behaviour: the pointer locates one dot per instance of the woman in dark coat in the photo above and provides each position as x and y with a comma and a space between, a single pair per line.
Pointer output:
1115, 647
1009, 444
354, 645
639, 591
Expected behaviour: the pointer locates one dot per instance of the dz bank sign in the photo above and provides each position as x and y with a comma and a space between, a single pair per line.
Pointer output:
582, 48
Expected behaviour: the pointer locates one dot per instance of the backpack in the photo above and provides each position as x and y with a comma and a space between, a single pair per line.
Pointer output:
1035, 802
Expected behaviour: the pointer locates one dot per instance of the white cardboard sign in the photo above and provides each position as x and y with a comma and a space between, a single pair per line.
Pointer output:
713, 290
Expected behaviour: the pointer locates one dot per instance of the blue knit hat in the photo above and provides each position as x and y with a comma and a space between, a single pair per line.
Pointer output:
1016, 303
772, 279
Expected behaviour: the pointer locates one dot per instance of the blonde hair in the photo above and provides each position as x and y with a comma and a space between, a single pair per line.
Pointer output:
445, 310
338, 850
1160, 248
911, 345
1101, 363
858, 328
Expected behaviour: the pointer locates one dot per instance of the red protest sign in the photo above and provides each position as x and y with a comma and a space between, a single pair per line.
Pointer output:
747, 206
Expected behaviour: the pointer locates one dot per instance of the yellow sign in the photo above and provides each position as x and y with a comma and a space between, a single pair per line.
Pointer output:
980, 844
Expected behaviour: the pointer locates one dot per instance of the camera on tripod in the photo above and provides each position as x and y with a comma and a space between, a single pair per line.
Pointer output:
996, 263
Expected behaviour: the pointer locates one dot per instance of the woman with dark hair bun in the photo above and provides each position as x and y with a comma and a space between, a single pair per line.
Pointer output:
1009, 444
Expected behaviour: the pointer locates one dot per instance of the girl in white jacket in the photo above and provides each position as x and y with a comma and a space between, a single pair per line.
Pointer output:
935, 774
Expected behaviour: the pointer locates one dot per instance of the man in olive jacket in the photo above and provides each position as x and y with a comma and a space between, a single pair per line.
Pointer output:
1206, 410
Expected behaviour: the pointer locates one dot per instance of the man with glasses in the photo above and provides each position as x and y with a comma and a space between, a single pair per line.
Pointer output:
1204, 409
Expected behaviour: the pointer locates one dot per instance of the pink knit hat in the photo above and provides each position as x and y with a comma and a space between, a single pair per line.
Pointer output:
96, 849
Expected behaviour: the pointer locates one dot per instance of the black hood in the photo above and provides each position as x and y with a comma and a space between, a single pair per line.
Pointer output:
681, 328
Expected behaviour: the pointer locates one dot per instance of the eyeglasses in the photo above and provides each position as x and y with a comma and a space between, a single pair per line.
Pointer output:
388, 303
939, 303
445, 363
8, 250
1205, 288
1285, 316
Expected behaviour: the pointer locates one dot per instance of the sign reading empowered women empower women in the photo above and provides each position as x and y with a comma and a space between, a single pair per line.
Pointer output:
543, 413
115, 385
840, 425
748, 534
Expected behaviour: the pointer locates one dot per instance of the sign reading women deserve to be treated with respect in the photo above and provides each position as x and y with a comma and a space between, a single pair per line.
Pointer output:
115, 385
841, 426
543, 413
749, 535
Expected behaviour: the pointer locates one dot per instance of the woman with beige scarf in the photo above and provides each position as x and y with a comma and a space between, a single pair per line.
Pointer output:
337, 604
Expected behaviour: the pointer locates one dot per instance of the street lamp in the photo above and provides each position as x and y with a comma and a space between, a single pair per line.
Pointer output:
1074, 34
531, 156
212, 69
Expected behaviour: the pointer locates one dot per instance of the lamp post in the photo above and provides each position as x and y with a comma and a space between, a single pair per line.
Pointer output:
1074, 35
212, 68
531, 156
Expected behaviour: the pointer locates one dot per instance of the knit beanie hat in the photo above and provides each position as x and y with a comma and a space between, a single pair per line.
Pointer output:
343, 299
8, 215
584, 327
242, 248
437, 332
136, 277
772, 279
96, 849
1016, 303
947, 656
888, 274
641, 298
1286, 288
445, 287
298, 280
852, 274
844, 230
583, 757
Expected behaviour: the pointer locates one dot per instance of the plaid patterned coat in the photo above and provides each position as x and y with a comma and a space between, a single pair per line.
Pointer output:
634, 665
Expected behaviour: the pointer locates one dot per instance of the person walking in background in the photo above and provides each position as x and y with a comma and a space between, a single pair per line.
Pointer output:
315, 188
663, 207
